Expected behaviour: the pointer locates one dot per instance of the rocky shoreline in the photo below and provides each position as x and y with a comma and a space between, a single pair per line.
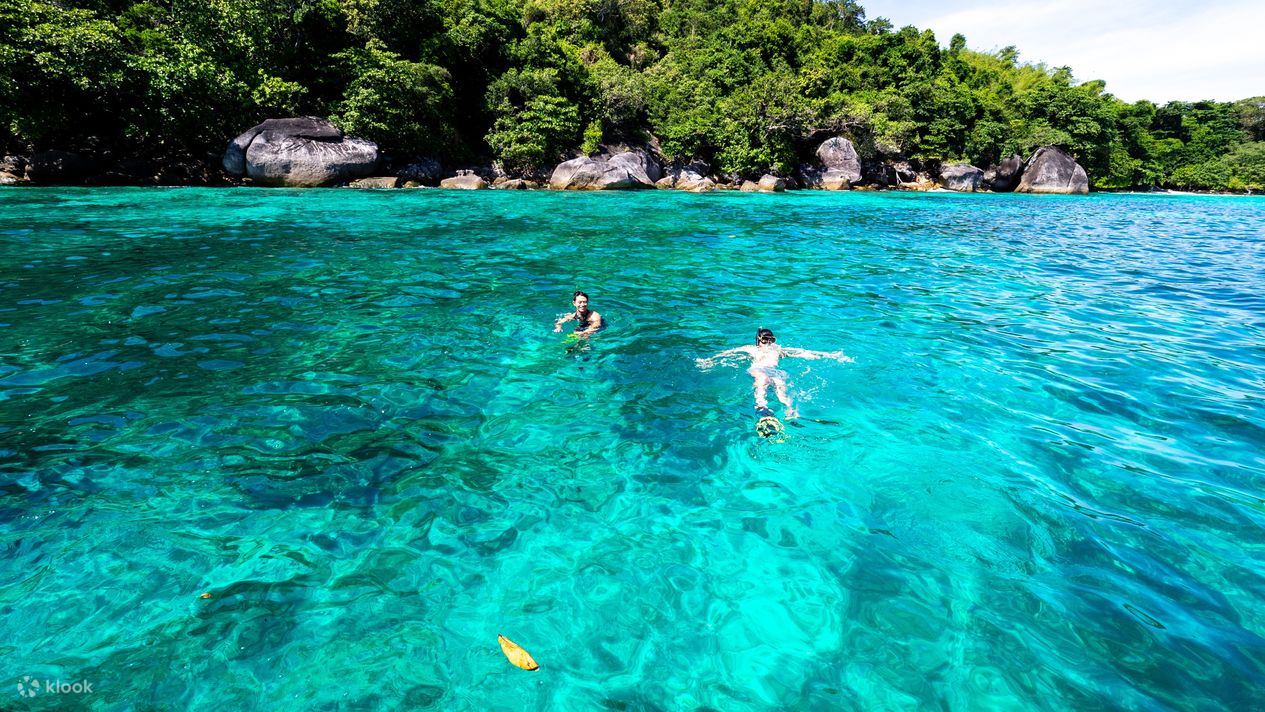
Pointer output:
312, 152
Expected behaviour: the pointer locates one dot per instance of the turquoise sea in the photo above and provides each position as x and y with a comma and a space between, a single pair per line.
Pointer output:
344, 415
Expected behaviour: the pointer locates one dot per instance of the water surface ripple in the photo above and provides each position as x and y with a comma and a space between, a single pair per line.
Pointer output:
345, 416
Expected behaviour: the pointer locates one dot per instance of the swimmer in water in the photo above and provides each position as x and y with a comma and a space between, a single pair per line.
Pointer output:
765, 354
587, 320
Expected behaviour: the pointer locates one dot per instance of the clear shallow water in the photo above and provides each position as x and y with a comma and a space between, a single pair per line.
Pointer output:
345, 416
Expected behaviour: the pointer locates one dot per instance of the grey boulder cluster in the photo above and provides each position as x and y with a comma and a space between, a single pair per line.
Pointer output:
840, 167
619, 171
303, 152
310, 151
1050, 170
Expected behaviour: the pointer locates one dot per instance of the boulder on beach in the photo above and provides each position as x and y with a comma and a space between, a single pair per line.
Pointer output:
836, 180
464, 180
299, 152
690, 177
749, 186
426, 171
962, 177
507, 183
692, 182
621, 171
839, 155
376, 182
771, 184
1005, 176
1051, 170
812, 176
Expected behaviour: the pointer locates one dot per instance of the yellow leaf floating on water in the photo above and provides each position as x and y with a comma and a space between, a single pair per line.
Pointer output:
517, 655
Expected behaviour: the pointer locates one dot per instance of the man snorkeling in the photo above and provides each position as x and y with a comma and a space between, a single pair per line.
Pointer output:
765, 354
587, 320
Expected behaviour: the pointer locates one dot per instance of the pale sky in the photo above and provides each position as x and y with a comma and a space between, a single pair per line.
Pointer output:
1160, 50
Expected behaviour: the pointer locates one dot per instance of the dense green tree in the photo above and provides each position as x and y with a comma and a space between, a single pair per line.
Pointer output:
747, 85
400, 104
535, 122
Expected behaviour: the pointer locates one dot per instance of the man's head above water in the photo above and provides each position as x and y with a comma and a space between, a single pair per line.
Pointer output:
764, 336
581, 301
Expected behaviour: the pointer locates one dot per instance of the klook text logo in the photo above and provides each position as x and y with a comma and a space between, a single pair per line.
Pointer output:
30, 687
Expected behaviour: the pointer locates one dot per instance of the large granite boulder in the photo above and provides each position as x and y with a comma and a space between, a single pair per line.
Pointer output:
426, 171
59, 168
962, 177
629, 169
692, 182
771, 184
464, 180
15, 165
839, 155
836, 180
299, 152
377, 182
690, 177
507, 183
1005, 176
1051, 170
881, 174
811, 176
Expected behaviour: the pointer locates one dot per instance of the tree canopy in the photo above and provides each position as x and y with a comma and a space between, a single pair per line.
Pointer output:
746, 85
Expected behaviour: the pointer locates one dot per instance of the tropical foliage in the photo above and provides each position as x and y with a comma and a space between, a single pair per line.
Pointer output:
746, 85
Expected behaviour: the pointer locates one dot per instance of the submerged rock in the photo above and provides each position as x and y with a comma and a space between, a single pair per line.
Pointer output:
1053, 171
299, 152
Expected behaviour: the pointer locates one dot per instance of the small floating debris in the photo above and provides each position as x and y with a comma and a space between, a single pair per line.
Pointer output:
205, 595
517, 655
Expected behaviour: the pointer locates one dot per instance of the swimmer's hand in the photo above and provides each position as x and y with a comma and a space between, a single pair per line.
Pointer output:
557, 327
841, 357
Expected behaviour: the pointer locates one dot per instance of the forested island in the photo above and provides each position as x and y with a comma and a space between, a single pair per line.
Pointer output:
124, 92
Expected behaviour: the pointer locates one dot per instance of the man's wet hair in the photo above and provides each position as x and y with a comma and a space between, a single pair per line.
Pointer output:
763, 332
578, 293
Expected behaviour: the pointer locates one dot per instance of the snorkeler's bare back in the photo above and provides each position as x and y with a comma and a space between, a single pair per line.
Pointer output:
764, 356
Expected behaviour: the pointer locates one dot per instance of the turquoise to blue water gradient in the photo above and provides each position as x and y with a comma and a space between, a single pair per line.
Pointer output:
345, 415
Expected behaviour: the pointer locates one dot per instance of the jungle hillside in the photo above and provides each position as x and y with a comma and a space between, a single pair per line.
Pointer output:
748, 86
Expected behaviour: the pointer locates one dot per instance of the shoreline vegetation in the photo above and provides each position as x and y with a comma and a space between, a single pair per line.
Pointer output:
574, 94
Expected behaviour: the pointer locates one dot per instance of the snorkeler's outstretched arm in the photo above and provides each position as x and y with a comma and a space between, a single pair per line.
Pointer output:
806, 353
557, 325
711, 361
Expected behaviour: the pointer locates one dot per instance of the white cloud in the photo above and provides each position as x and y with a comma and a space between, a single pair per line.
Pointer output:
1160, 51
